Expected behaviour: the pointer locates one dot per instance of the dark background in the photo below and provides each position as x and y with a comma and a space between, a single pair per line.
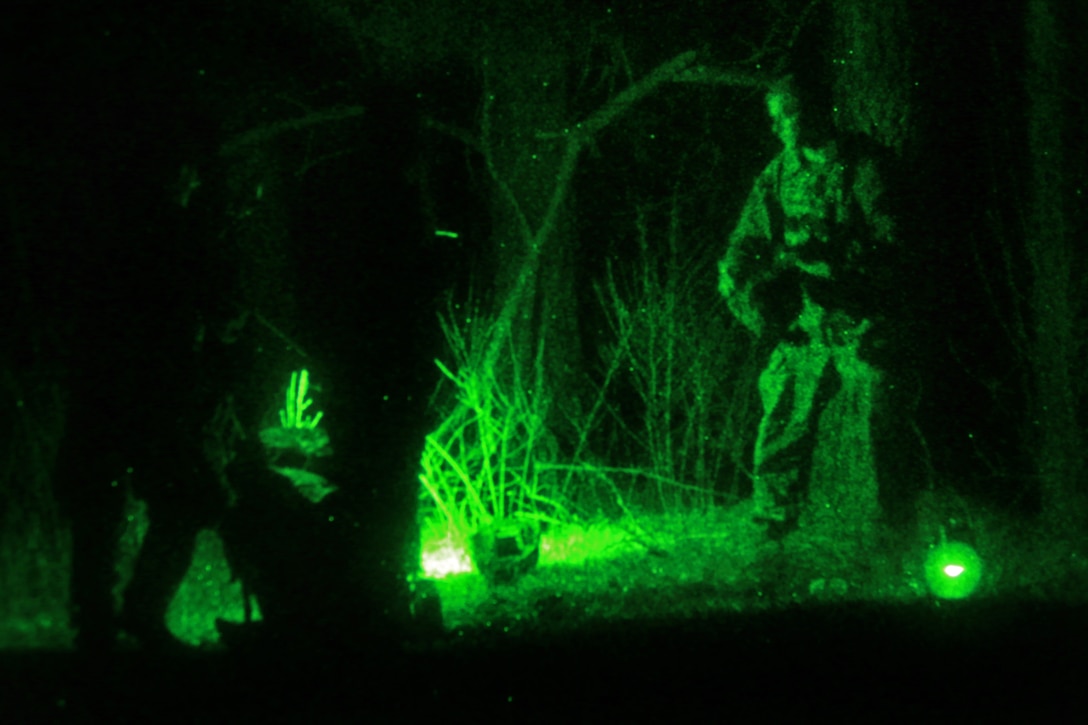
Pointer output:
114, 99
110, 101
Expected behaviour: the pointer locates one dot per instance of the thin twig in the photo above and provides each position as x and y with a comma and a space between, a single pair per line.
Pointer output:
263, 134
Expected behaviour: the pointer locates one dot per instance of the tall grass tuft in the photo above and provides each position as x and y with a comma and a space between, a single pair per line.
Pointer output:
481, 466
677, 348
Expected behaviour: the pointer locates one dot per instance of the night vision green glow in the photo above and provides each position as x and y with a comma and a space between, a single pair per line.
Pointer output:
297, 430
302, 432
953, 570
291, 416
570, 544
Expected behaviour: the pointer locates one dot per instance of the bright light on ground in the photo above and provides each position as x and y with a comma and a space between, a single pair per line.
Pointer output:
568, 544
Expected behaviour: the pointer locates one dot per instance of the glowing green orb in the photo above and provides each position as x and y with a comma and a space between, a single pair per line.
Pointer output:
953, 570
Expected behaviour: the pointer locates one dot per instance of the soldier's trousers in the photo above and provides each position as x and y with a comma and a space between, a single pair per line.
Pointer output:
803, 375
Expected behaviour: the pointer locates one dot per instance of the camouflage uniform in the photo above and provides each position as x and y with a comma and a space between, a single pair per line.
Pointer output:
797, 275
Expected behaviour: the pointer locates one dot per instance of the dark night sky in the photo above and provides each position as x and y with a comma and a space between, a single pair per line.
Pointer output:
113, 104
112, 98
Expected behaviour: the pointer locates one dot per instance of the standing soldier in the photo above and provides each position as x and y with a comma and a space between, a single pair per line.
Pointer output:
802, 274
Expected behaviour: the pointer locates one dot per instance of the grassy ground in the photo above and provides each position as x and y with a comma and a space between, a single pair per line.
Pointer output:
682, 567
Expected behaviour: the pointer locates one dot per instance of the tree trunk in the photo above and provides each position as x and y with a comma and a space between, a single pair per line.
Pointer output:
1058, 443
872, 63
532, 229
871, 58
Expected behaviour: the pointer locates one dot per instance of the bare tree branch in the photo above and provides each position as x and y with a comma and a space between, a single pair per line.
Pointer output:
664, 73
462, 135
724, 77
267, 132
576, 140
310, 163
